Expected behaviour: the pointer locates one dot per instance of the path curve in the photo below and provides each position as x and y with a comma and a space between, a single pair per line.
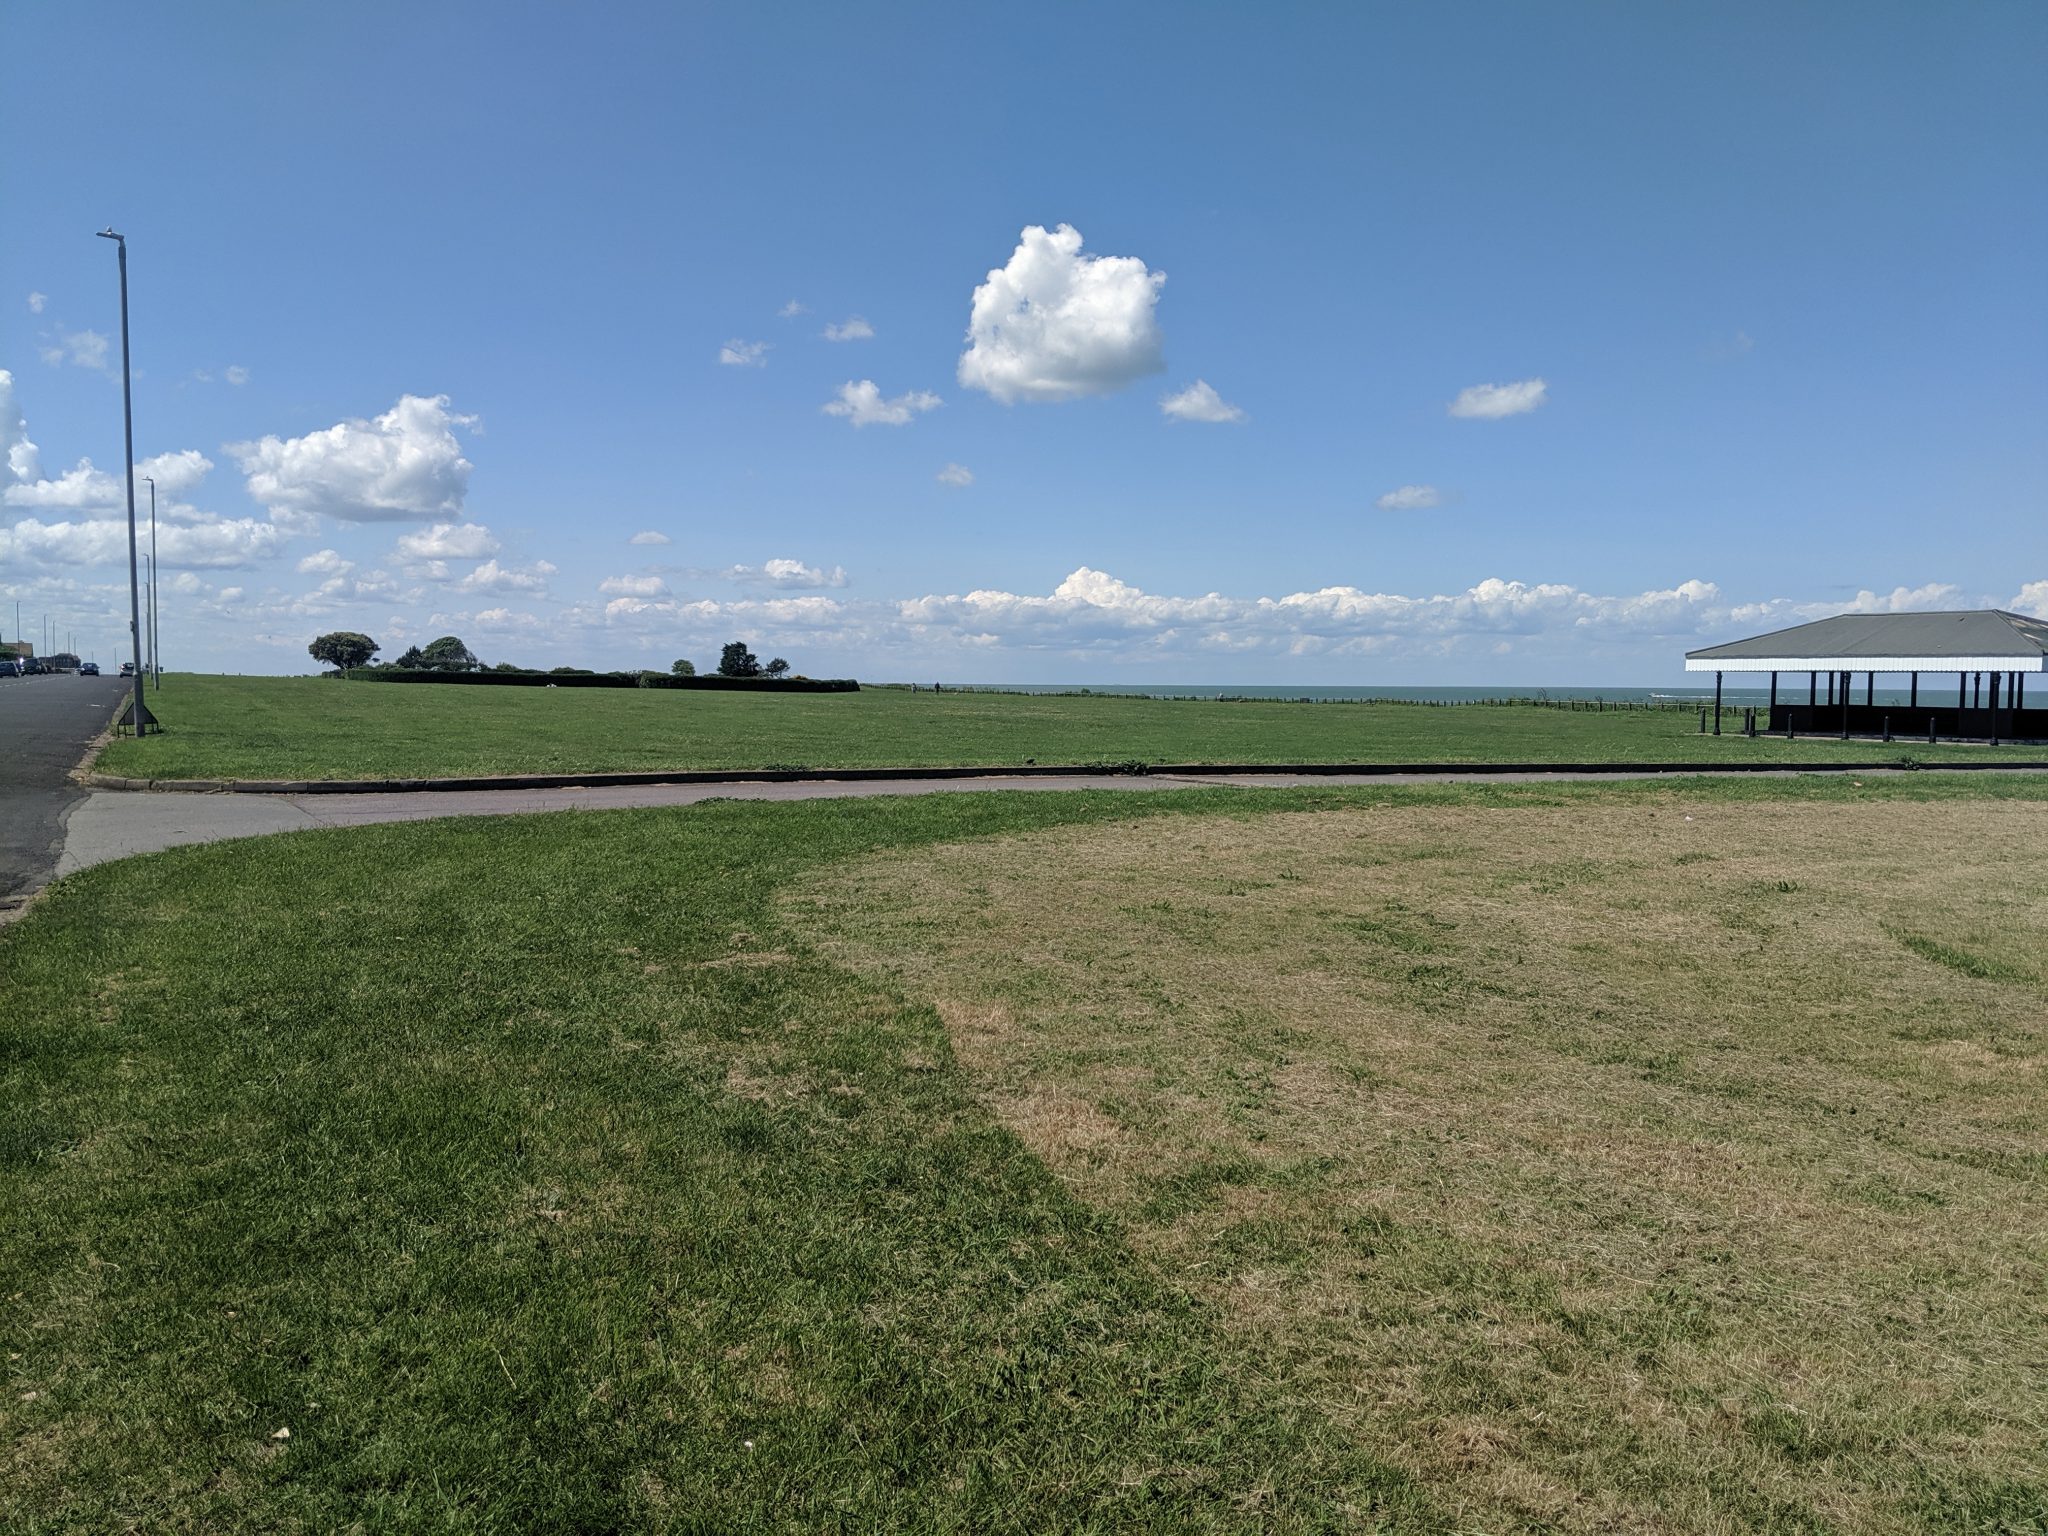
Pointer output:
116, 824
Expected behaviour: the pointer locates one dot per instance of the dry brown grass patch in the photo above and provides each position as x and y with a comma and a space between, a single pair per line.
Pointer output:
1636, 1164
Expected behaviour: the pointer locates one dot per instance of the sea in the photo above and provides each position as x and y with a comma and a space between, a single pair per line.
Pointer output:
1680, 693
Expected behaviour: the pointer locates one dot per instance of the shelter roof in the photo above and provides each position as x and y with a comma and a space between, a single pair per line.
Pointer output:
1987, 639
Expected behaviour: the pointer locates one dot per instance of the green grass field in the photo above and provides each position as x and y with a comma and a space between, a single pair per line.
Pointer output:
616, 1171
299, 728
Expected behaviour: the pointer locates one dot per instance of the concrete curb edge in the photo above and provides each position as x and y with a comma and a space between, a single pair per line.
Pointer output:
1028, 770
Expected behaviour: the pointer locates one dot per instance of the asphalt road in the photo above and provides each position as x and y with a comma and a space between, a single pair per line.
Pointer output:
46, 723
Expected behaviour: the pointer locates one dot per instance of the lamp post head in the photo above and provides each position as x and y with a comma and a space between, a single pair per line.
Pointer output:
108, 234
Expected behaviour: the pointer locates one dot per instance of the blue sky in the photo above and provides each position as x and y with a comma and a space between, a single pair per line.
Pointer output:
438, 296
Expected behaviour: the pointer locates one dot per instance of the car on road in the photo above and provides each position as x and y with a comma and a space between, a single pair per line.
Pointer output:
127, 669
9, 667
88, 669
30, 667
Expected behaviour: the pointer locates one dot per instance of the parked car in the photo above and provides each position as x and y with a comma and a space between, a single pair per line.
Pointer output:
30, 667
9, 667
88, 669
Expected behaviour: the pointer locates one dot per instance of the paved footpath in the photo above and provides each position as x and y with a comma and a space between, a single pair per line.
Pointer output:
112, 824
46, 723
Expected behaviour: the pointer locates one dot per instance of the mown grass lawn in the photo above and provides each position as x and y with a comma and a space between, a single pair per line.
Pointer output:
612, 1171
298, 728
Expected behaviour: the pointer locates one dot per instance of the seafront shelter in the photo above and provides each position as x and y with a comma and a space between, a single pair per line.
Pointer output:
1965, 673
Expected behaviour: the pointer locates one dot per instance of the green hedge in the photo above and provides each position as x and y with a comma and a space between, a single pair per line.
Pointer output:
605, 680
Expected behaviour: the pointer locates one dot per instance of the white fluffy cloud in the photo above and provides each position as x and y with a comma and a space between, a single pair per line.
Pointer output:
36, 301
219, 543
2031, 599
744, 354
325, 562
852, 329
1410, 498
1200, 402
236, 374
785, 573
955, 474
403, 464
648, 536
20, 463
792, 309
1935, 595
863, 405
1053, 323
633, 586
81, 349
493, 577
1490, 402
1092, 610
448, 541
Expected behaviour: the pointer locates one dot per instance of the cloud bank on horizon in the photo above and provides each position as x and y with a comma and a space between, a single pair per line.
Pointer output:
408, 464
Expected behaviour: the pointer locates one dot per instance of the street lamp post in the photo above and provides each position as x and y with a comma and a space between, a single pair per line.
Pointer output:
128, 438
156, 653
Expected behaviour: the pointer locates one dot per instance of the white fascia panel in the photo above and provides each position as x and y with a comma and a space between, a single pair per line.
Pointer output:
2035, 663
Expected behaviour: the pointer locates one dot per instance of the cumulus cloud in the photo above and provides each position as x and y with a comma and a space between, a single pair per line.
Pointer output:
493, 577
744, 354
1935, 595
174, 473
36, 301
218, 543
792, 309
648, 536
1092, 610
1490, 402
852, 329
20, 463
325, 562
1199, 402
81, 349
236, 374
956, 474
633, 586
404, 464
1410, 498
863, 405
792, 574
2031, 599
1053, 323
448, 541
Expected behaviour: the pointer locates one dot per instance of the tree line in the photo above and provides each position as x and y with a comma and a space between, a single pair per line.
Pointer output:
347, 651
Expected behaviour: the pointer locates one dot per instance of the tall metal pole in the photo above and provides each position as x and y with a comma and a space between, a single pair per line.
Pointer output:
156, 654
128, 439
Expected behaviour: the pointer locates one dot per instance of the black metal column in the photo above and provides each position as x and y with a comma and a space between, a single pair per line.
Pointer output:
1717, 703
1869, 689
1913, 699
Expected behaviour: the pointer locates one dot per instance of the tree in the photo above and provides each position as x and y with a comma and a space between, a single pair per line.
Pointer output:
737, 661
412, 660
343, 649
776, 667
448, 654
683, 667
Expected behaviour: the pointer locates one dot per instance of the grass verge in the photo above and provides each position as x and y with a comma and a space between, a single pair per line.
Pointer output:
299, 728
541, 1174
